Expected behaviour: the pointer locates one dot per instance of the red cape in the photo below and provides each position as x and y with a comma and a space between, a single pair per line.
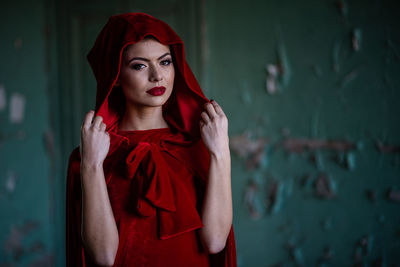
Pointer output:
181, 145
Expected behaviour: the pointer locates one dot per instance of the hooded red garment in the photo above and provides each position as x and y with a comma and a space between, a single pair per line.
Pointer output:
155, 178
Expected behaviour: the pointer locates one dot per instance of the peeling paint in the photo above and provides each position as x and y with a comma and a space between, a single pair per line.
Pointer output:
356, 39
307, 181
17, 108
299, 145
318, 161
283, 65
13, 244
363, 248
393, 194
275, 196
387, 148
349, 77
3, 99
250, 200
10, 182
253, 150
325, 187
295, 253
271, 82
279, 74
326, 256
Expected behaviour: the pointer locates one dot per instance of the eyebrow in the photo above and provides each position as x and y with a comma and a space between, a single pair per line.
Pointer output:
147, 60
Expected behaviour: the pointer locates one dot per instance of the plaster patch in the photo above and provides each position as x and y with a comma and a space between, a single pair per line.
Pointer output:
17, 108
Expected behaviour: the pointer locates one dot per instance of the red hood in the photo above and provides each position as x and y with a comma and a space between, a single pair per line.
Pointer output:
182, 110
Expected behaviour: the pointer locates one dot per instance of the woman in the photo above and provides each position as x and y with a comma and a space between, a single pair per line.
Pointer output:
150, 183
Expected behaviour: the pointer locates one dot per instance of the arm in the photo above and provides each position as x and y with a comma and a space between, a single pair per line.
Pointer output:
99, 230
217, 204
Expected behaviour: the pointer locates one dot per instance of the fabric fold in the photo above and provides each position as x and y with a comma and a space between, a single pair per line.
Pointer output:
156, 193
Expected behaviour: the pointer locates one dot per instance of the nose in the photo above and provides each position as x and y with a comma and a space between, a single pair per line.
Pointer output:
155, 74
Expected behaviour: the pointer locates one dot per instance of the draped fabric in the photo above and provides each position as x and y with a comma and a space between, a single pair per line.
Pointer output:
155, 178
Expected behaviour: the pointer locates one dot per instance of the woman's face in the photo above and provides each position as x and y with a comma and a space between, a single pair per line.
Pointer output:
147, 74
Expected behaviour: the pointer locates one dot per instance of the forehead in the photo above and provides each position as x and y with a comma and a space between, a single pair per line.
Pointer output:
147, 48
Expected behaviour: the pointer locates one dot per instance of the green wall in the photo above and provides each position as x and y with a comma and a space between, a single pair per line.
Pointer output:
311, 184
26, 224
330, 95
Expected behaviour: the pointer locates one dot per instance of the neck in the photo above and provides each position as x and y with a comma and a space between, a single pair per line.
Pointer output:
144, 118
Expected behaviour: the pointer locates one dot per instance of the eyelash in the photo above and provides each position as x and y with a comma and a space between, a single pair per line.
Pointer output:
165, 62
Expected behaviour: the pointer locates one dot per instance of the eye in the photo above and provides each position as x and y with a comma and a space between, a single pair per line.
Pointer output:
137, 66
166, 62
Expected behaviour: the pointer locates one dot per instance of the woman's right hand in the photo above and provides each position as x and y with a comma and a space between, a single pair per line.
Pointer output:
95, 141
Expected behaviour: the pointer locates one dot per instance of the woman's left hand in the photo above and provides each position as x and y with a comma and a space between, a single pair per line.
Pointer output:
214, 129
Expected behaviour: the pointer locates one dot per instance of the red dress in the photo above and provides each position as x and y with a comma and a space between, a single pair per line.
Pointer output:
155, 178
155, 185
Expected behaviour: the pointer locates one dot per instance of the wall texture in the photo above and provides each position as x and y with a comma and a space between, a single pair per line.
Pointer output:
26, 184
311, 90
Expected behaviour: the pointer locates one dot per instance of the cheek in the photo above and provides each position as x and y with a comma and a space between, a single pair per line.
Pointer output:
171, 76
131, 81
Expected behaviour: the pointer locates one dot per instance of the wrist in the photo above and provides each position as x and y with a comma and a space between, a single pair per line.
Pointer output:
91, 166
220, 155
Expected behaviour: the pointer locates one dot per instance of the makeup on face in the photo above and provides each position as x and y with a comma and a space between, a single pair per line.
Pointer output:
156, 91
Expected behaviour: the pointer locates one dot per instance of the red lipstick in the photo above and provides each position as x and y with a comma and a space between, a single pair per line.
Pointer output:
156, 91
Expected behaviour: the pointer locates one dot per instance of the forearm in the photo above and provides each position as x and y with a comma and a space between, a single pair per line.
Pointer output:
217, 204
99, 230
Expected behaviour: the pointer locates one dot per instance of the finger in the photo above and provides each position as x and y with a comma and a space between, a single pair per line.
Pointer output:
210, 110
202, 124
217, 108
205, 117
97, 121
103, 126
88, 119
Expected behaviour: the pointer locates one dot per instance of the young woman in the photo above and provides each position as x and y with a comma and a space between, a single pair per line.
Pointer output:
150, 183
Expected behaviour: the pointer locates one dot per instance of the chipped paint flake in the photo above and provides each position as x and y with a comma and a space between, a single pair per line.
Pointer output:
17, 108
325, 187
299, 145
279, 74
250, 200
349, 77
14, 243
276, 194
271, 82
253, 150
11, 182
356, 39
3, 99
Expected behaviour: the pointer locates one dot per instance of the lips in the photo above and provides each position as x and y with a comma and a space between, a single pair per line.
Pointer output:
156, 91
